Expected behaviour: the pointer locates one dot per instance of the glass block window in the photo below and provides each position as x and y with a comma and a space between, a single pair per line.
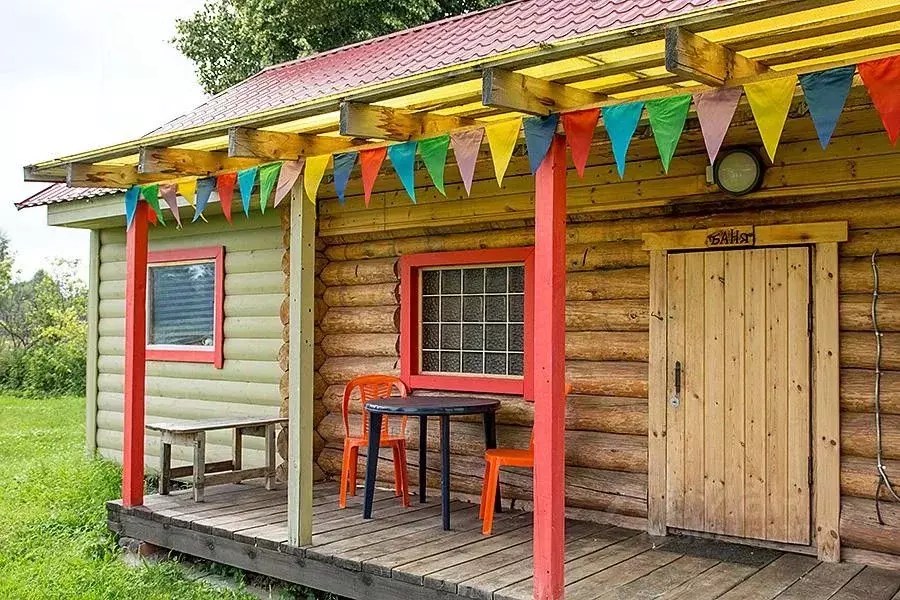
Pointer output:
181, 310
473, 320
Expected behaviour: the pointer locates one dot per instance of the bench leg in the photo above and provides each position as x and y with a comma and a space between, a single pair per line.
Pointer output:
237, 455
270, 457
199, 465
165, 467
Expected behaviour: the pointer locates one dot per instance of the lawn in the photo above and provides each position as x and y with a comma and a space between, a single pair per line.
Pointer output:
53, 537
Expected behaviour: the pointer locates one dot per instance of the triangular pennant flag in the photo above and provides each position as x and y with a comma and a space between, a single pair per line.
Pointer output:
882, 79
205, 188
466, 146
246, 179
621, 121
169, 192
434, 154
579, 127
667, 117
131, 200
770, 101
152, 218
343, 166
188, 190
313, 173
225, 188
502, 141
715, 110
403, 157
370, 164
539, 132
290, 172
268, 176
151, 195
826, 93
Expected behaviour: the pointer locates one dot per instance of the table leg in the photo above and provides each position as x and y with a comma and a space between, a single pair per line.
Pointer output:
372, 462
270, 457
423, 455
199, 465
445, 470
490, 442
165, 467
237, 451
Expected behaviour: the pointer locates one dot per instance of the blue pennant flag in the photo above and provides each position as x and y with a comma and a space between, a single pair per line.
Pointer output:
826, 93
246, 180
131, 200
403, 157
343, 165
621, 122
204, 190
539, 132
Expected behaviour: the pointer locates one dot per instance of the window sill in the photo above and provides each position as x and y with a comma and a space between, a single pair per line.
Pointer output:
190, 356
462, 383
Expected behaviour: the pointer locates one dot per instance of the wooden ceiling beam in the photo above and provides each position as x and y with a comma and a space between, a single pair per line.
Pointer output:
276, 145
104, 176
384, 123
693, 57
179, 162
532, 95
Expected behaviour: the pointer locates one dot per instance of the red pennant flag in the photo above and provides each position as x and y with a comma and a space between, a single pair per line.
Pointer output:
579, 127
225, 187
882, 79
152, 218
370, 163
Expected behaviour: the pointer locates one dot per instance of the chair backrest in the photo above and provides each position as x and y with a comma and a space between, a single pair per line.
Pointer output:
568, 391
372, 387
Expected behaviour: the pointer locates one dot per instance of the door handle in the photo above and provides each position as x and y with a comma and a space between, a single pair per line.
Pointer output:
675, 400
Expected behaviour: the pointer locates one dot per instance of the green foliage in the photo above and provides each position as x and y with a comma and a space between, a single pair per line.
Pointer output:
229, 40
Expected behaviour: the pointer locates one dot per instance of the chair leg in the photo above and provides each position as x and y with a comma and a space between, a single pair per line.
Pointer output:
404, 473
354, 465
398, 477
484, 487
494, 478
345, 475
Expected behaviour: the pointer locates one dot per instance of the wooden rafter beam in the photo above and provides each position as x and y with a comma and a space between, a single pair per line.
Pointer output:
384, 123
693, 57
276, 145
103, 176
178, 162
523, 93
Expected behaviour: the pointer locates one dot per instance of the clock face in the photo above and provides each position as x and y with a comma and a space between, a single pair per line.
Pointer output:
738, 172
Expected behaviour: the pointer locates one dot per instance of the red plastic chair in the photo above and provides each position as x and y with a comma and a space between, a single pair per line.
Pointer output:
370, 388
493, 460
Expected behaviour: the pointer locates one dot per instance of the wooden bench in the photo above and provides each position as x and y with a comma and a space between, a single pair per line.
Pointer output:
193, 433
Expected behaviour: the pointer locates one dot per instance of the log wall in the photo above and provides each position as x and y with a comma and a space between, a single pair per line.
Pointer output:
856, 180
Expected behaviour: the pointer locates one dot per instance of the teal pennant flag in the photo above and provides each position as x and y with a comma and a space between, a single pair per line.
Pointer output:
621, 121
343, 166
205, 188
434, 154
246, 180
131, 200
151, 195
403, 157
667, 117
539, 132
826, 93
268, 176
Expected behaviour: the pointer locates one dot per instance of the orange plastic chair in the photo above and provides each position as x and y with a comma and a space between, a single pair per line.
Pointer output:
370, 388
493, 460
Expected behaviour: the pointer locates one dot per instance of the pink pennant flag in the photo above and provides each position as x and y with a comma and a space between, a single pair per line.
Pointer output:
715, 110
466, 146
169, 192
290, 172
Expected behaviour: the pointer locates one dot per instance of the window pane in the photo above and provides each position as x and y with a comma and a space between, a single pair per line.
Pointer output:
517, 279
450, 337
496, 280
473, 308
495, 337
430, 336
451, 308
450, 362
431, 282
517, 308
495, 363
473, 337
451, 282
495, 308
517, 337
516, 366
473, 362
431, 361
182, 304
473, 281
430, 310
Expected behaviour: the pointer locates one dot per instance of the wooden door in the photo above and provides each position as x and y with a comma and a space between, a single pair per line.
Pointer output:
737, 440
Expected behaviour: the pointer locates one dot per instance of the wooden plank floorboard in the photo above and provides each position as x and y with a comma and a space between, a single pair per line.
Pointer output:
661, 580
870, 584
711, 584
354, 525
822, 582
619, 575
773, 579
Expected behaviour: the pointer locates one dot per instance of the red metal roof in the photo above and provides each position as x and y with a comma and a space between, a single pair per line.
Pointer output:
58, 192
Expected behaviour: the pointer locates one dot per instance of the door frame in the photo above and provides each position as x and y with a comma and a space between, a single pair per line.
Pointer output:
823, 238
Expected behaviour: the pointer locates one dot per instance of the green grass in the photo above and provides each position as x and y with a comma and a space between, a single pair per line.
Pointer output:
53, 537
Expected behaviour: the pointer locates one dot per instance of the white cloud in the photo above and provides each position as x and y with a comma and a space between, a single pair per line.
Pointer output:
76, 75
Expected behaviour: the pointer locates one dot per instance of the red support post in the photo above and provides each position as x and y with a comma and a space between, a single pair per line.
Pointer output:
135, 355
550, 373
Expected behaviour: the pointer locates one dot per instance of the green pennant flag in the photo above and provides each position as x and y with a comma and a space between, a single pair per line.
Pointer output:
667, 117
268, 176
151, 195
434, 154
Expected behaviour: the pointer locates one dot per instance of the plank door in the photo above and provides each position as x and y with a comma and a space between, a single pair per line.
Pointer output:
737, 440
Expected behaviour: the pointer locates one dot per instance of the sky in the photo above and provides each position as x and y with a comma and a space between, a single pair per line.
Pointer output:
77, 75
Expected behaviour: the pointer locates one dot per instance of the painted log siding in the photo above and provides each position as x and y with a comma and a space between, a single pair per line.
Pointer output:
248, 385
607, 290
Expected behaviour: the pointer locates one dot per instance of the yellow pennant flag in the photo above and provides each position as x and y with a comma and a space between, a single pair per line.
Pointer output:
770, 101
188, 190
313, 173
502, 139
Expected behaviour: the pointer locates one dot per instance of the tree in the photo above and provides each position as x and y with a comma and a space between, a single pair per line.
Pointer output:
229, 40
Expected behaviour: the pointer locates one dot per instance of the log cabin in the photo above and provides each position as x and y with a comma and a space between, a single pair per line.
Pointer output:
734, 358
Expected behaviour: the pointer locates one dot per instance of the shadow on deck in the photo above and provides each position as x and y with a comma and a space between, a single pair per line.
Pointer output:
404, 553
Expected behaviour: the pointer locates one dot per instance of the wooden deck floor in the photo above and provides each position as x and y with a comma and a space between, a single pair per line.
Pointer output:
403, 553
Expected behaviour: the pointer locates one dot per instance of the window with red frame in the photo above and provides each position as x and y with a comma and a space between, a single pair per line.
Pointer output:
466, 320
185, 313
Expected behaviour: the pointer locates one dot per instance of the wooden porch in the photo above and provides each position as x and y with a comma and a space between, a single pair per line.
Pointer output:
403, 552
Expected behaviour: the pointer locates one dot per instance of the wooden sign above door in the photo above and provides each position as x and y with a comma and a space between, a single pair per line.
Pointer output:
747, 236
